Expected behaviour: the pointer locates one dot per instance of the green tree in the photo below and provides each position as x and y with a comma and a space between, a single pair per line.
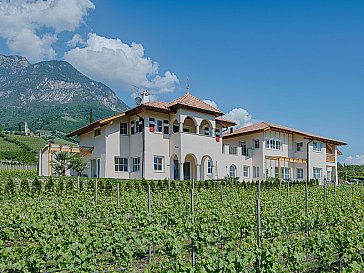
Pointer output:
78, 164
61, 163
91, 117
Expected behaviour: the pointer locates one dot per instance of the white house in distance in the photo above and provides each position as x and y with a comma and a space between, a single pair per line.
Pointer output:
187, 139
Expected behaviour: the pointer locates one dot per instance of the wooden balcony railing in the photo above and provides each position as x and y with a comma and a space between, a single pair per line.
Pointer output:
330, 158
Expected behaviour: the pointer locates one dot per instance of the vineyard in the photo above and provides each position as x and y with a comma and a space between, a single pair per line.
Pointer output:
62, 225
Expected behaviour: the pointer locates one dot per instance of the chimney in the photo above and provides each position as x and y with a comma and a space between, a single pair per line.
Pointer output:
145, 96
231, 130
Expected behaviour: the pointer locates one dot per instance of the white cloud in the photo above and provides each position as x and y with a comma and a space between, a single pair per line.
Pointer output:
354, 160
76, 40
31, 27
241, 116
212, 103
120, 64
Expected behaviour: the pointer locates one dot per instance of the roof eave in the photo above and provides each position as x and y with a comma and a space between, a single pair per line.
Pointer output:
179, 105
243, 133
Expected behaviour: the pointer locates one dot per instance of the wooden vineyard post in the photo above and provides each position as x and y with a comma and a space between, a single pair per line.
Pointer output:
325, 189
259, 228
78, 183
193, 260
150, 214
96, 195
149, 201
221, 193
118, 194
288, 188
169, 185
306, 205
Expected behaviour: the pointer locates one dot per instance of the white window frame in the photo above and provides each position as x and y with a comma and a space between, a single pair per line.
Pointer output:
157, 164
301, 176
315, 174
135, 164
122, 130
285, 173
256, 173
317, 146
276, 171
299, 147
209, 167
273, 144
256, 143
121, 166
159, 126
233, 171
246, 171
244, 148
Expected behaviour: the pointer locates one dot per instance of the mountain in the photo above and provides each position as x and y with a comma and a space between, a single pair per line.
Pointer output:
51, 95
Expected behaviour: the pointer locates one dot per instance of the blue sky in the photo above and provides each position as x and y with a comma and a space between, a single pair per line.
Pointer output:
295, 63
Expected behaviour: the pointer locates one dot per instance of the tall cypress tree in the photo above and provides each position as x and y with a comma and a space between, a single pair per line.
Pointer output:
91, 117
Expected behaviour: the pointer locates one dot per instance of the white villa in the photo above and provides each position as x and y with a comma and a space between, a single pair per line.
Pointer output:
187, 139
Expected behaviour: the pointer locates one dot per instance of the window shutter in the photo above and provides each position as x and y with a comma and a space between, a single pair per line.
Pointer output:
151, 125
217, 133
132, 127
165, 127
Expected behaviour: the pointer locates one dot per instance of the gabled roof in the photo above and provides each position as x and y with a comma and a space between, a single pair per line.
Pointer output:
189, 101
95, 124
265, 126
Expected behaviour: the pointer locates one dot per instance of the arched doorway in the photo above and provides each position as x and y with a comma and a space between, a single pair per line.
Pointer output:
189, 167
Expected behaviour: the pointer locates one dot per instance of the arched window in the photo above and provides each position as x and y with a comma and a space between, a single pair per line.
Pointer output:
233, 171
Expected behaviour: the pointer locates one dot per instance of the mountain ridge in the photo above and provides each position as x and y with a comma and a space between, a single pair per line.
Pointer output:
52, 89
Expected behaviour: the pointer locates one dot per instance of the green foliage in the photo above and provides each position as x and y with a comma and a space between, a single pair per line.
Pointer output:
24, 185
18, 173
49, 186
78, 164
10, 186
36, 185
61, 163
67, 232
347, 172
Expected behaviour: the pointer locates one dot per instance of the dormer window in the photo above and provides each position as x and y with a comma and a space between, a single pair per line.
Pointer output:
97, 132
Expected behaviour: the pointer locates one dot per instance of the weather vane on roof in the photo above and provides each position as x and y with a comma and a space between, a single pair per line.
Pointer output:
187, 87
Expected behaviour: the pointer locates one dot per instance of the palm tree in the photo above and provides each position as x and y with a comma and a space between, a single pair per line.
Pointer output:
78, 164
61, 163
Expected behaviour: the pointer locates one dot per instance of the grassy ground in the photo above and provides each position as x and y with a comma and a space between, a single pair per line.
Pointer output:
33, 142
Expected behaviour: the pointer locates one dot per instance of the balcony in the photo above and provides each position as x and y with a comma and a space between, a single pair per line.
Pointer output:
237, 151
233, 150
330, 158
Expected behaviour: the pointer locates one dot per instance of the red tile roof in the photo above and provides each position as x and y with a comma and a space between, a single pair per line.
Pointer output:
190, 101
187, 100
158, 105
264, 126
